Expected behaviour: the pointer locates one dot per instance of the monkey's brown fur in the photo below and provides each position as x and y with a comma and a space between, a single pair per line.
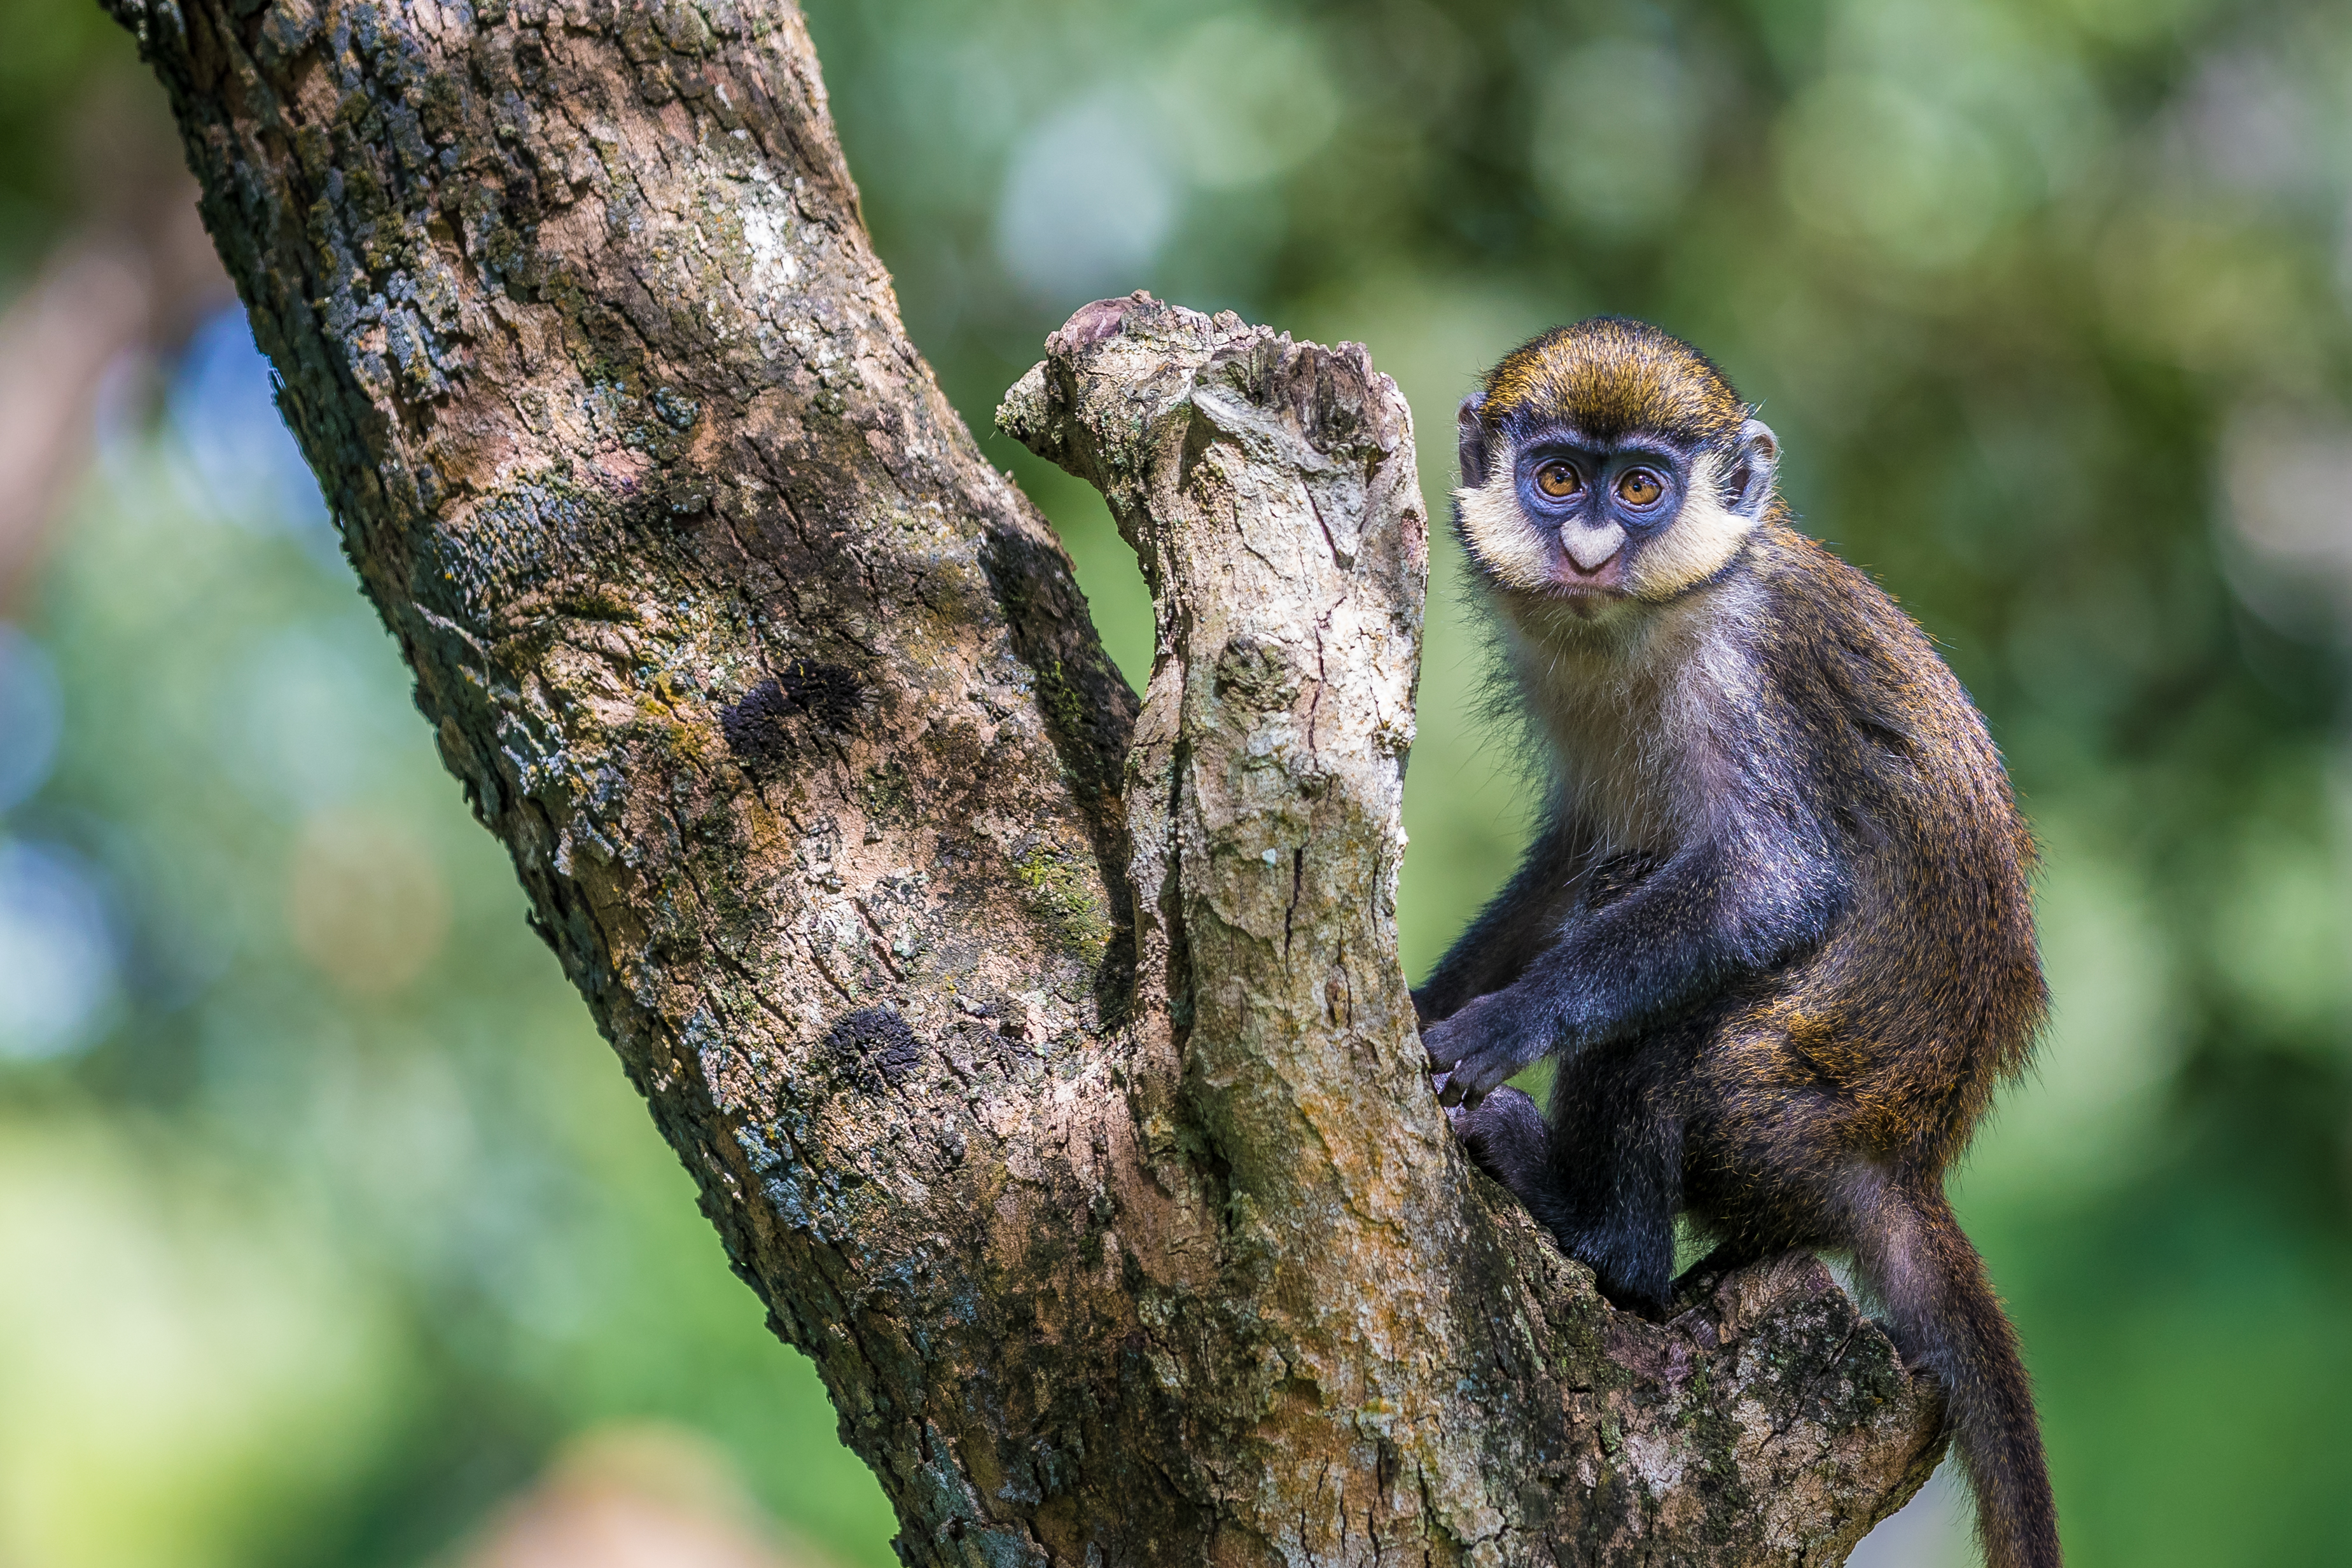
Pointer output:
1616, 375
1777, 925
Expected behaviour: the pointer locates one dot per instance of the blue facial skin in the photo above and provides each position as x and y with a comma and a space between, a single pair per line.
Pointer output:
1600, 470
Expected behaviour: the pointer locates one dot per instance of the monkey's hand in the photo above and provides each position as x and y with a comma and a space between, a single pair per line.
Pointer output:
1481, 1046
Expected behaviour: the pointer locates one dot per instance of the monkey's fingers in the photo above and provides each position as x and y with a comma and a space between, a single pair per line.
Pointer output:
1437, 1044
1453, 1092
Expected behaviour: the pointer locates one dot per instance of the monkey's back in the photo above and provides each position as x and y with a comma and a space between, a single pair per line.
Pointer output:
1889, 1040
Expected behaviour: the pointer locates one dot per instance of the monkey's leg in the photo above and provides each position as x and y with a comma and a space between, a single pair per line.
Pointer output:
1741, 1194
1612, 1181
1605, 1193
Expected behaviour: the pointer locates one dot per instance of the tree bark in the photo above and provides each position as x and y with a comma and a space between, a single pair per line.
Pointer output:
1062, 1101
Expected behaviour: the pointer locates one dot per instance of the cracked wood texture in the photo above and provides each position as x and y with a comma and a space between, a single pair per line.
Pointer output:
1123, 1226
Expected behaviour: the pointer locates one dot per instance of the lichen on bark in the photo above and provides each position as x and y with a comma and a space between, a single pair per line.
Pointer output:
1058, 1095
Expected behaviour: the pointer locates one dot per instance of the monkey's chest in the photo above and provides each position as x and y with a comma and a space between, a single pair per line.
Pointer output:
1629, 768
1638, 725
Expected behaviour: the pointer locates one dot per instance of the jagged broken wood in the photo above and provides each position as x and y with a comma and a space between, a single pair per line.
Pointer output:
1268, 489
1062, 1101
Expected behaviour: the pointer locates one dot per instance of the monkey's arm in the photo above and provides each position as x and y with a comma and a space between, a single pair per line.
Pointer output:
1739, 902
1522, 921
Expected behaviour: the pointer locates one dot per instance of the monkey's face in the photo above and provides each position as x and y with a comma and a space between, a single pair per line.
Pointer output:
1605, 466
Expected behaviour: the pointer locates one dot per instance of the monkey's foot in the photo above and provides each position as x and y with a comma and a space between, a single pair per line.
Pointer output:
1698, 1282
1505, 1136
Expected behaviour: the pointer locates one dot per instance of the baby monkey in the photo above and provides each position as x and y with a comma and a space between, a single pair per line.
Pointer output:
1775, 925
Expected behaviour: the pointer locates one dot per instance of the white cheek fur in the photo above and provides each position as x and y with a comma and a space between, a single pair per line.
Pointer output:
1694, 546
1499, 532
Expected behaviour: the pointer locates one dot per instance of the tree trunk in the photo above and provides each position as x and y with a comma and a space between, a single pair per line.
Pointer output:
1062, 1100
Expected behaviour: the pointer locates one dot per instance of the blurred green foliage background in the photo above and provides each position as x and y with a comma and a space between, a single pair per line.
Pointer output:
325, 1220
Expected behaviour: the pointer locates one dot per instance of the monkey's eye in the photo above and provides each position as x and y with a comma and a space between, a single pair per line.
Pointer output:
1639, 487
1558, 480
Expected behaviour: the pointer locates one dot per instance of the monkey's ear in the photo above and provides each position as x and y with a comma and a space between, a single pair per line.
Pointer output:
1472, 435
1755, 459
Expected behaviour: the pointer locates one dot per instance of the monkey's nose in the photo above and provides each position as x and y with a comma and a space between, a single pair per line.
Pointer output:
1591, 548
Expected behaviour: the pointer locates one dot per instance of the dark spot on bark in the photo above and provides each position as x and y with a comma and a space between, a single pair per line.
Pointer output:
757, 726
828, 693
874, 1046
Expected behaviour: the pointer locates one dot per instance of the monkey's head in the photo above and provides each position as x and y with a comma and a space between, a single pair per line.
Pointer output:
1606, 464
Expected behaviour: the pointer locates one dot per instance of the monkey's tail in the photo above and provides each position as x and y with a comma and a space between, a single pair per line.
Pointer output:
1945, 1317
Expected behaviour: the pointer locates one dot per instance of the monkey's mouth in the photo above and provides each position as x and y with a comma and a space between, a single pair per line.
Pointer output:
1587, 590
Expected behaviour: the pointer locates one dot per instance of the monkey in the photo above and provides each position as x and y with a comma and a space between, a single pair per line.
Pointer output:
1775, 926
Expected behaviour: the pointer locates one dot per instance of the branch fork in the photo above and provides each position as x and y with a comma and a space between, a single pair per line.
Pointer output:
1045, 1066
